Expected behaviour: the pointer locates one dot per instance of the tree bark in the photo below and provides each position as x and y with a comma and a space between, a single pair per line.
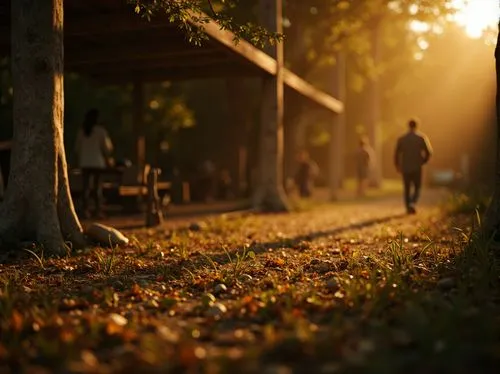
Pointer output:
492, 220
38, 204
270, 194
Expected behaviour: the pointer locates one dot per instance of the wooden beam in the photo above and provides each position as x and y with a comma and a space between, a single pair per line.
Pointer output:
269, 65
242, 49
306, 89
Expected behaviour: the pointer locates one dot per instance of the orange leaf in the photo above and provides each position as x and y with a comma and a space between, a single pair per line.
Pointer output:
187, 355
67, 336
247, 299
135, 290
16, 321
113, 328
297, 313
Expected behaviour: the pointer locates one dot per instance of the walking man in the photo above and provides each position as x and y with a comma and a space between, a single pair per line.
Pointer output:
413, 150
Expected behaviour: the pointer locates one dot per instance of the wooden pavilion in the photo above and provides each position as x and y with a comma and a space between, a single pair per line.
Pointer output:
107, 41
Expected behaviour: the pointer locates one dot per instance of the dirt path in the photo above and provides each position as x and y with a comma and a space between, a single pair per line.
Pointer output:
350, 287
320, 220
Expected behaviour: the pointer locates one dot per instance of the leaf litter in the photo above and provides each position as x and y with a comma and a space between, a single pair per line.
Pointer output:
260, 293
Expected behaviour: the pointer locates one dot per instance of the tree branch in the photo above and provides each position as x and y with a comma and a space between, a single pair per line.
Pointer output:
214, 13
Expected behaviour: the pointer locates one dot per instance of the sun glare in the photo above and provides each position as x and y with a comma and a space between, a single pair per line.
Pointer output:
476, 16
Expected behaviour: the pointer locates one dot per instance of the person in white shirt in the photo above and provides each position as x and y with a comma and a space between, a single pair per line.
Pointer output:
93, 149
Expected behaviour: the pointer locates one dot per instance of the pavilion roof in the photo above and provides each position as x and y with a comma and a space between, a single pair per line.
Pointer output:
106, 40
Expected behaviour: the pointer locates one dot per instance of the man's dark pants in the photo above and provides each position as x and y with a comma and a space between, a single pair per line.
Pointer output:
412, 183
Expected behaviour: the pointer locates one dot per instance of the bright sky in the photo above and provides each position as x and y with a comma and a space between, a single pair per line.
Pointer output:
477, 15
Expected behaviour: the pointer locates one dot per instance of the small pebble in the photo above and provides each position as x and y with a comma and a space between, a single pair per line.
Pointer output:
220, 288
118, 285
314, 261
208, 299
217, 310
323, 266
153, 304
118, 319
197, 226
446, 283
332, 284
89, 358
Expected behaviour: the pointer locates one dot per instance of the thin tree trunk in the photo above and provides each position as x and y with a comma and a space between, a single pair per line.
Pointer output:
38, 204
374, 125
337, 130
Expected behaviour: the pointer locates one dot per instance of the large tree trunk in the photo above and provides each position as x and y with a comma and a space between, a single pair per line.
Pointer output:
38, 203
270, 194
492, 221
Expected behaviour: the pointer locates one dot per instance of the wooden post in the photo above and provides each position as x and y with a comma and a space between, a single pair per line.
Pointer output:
138, 124
270, 195
154, 216
337, 134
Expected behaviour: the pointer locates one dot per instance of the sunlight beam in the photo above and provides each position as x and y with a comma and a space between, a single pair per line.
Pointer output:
476, 16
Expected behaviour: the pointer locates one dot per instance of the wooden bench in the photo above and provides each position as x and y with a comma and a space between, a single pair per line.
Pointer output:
125, 187
138, 190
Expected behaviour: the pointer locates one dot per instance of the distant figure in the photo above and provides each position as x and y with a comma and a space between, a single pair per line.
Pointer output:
364, 159
93, 149
413, 150
307, 171
207, 180
225, 185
